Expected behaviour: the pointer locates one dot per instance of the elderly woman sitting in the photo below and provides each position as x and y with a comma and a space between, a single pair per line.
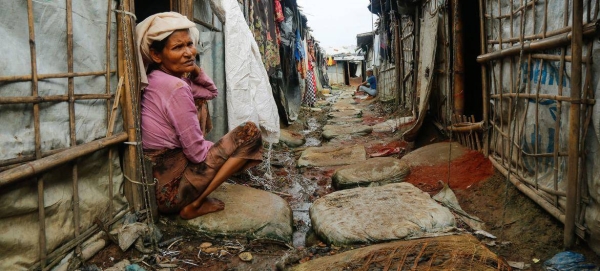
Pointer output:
187, 166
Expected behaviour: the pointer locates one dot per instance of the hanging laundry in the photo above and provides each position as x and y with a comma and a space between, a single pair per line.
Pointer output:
310, 96
278, 11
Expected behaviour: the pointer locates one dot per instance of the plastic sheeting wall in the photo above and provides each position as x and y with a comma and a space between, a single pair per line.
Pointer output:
211, 52
536, 132
19, 225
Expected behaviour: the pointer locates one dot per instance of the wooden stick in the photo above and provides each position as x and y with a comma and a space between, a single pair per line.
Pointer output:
21, 78
54, 98
470, 134
40, 165
113, 112
476, 135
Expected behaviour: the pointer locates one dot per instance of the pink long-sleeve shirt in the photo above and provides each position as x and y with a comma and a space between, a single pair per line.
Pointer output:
169, 115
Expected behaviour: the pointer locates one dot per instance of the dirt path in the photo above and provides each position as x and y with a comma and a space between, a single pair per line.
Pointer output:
524, 231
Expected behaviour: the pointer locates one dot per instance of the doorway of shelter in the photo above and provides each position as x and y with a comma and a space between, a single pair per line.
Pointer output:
472, 49
147, 8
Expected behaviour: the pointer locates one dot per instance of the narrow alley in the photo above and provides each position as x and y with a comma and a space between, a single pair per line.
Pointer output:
299, 135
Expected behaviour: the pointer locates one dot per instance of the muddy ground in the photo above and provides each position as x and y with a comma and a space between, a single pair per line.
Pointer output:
525, 232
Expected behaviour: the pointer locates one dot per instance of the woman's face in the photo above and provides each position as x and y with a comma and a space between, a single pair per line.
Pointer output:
178, 56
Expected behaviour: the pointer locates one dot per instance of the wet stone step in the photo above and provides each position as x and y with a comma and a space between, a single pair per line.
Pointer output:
344, 121
291, 139
344, 105
345, 114
333, 131
439, 253
374, 171
332, 156
377, 214
250, 213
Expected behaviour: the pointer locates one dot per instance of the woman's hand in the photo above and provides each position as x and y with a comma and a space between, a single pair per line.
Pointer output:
197, 71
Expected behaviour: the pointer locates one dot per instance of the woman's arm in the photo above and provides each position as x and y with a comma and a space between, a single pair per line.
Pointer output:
181, 113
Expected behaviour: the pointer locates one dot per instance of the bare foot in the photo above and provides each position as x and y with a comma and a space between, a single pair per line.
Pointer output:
210, 205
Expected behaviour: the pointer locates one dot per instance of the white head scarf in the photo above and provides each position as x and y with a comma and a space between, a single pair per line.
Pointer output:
156, 28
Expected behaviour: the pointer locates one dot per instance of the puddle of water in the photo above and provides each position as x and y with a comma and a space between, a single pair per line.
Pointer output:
301, 189
313, 125
312, 142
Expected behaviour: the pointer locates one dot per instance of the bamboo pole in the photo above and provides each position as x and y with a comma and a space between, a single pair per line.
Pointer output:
400, 65
574, 124
555, 57
126, 66
484, 82
513, 12
57, 253
72, 135
519, 183
36, 128
397, 59
551, 33
113, 111
500, 82
548, 97
207, 25
54, 98
23, 78
466, 127
458, 61
4, 164
40, 165
541, 44
108, 113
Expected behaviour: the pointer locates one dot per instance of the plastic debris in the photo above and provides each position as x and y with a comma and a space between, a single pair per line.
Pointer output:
518, 265
568, 261
134, 267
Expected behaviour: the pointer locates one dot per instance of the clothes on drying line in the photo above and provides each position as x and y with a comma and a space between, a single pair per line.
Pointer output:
310, 97
299, 49
278, 11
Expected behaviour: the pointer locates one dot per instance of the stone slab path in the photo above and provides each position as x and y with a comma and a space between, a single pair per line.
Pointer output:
332, 156
291, 139
379, 171
377, 214
250, 213
333, 131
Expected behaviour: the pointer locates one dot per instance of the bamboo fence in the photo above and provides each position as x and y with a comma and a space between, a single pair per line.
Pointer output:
24, 168
519, 51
